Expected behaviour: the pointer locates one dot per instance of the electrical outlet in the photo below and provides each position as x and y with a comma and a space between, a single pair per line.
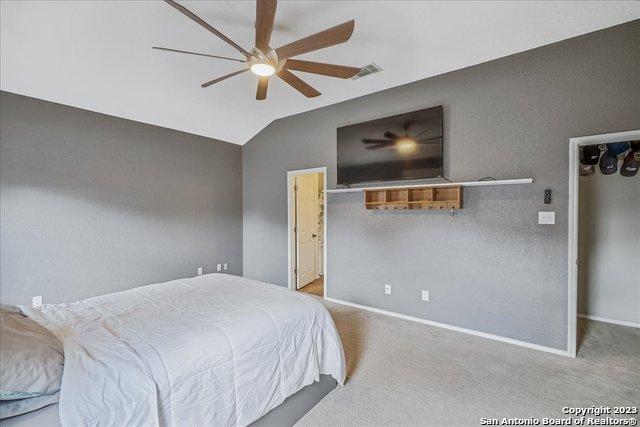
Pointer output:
225, 266
36, 301
387, 289
199, 271
219, 267
425, 295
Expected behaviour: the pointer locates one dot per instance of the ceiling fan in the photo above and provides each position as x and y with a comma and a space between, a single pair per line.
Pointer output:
264, 61
403, 143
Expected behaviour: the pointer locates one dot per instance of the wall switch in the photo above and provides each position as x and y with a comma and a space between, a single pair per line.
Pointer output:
225, 266
387, 289
199, 271
546, 217
36, 301
547, 196
219, 267
425, 295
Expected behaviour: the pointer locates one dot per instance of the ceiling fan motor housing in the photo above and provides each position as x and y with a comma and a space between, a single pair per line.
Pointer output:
270, 58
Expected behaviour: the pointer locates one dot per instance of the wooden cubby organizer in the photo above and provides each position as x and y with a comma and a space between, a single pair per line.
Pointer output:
414, 198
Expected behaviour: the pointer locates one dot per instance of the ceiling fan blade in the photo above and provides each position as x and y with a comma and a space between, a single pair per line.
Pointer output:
333, 36
429, 141
391, 135
331, 70
299, 85
265, 14
180, 8
378, 146
261, 93
426, 131
219, 79
377, 141
196, 53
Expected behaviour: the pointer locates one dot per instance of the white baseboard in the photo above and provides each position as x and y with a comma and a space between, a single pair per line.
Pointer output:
604, 319
454, 328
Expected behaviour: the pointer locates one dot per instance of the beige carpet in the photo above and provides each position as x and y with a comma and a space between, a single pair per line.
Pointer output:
403, 373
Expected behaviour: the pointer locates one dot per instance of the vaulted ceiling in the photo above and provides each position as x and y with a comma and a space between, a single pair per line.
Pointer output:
97, 55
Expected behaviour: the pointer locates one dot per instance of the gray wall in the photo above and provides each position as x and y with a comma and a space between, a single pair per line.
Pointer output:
493, 268
609, 246
92, 204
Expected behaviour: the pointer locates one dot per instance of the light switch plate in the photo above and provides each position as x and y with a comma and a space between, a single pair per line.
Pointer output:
546, 218
425, 295
225, 266
219, 267
199, 271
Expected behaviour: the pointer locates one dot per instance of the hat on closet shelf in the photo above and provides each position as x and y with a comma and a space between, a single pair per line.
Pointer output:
635, 148
586, 170
630, 165
618, 148
608, 163
589, 155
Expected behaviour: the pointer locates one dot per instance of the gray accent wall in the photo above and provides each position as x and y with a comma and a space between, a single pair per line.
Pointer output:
492, 268
609, 247
92, 204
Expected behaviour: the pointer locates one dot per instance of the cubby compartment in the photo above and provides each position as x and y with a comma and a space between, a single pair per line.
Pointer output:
420, 198
418, 195
397, 199
446, 194
375, 199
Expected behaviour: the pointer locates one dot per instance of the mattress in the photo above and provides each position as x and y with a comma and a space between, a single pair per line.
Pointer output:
284, 415
43, 417
210, 350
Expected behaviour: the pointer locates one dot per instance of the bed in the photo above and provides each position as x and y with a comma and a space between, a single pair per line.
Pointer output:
211, 350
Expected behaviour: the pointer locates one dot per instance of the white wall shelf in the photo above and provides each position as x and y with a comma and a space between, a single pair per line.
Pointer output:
439, 184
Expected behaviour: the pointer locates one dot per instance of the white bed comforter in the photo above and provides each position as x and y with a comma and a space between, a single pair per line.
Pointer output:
208, 351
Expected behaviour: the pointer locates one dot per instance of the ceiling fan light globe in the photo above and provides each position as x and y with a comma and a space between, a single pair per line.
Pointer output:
406, 145
263, 70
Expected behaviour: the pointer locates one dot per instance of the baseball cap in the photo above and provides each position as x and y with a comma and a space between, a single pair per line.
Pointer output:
608, 163
589, 155
586, 170
618, 148
630, 165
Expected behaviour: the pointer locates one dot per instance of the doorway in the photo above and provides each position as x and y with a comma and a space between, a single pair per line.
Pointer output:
573, 236
306, 230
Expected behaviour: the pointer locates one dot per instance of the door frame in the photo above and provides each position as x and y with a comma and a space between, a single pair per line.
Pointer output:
572, 259
291, 205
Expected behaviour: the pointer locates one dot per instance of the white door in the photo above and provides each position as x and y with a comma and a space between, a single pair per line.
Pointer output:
306, 229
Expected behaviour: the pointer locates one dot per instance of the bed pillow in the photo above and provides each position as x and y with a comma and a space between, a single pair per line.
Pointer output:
32, 357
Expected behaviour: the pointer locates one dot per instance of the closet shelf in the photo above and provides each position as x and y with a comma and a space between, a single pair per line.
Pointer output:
440, 184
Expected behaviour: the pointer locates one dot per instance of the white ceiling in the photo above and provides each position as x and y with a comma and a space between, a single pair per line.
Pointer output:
97, 55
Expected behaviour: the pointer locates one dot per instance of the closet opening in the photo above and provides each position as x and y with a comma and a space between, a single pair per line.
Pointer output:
604, 237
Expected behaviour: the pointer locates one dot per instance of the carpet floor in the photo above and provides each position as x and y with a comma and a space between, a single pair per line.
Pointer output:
402, 373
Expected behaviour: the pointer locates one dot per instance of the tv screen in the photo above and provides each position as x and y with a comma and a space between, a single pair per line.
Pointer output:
401, 147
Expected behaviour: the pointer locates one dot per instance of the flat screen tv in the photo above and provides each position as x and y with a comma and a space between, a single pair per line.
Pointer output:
401, 147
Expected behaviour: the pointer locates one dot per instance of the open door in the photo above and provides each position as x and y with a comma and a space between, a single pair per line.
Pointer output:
306, 229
